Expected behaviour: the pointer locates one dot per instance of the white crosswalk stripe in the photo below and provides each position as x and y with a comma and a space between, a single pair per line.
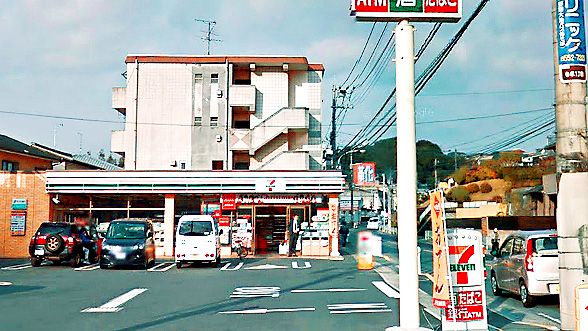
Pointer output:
353, 308
256, 292
227, 267
115, 304
88, 267
161, 267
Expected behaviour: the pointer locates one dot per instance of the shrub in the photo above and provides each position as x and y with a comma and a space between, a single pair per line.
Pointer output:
473, 188
497, 198
460, 175
458, 194
485, 188
480, 173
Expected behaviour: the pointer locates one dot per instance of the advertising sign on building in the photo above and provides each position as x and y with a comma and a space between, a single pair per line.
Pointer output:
18, 223
581, 299
19, 204
413, 10
364, 174
467, 311
228, 202
440, 270
278, 199
270, 185
571, 41
334, 220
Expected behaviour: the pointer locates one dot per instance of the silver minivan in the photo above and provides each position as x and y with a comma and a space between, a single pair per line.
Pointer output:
526, 264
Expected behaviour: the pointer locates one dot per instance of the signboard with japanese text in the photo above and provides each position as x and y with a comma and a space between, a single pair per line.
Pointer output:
412, 10
19, 204
257, 199
581, 300
334, 221
571, 41
440, 270
364, 174
228, 202
467, 310
18, 223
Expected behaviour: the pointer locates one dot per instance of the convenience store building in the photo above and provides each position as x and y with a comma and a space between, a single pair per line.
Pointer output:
254, 204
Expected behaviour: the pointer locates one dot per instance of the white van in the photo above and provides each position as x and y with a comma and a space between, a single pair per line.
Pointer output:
197, 240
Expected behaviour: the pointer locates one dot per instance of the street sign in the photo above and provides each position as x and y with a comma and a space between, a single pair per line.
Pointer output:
571, 41
467, 310
412, 10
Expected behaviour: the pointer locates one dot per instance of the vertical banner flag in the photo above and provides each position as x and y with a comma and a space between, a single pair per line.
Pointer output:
440, 271
571, 41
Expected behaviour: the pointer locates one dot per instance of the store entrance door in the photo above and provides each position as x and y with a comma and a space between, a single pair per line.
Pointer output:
270, 228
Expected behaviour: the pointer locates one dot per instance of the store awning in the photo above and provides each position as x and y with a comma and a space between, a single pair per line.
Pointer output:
195, 182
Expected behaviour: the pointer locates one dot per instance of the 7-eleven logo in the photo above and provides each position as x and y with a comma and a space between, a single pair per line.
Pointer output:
436, 205
463, 265
271, 184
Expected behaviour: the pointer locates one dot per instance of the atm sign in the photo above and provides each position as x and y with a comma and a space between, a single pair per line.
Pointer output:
413, 10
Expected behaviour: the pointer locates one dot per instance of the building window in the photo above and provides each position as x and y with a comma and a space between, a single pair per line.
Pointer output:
198, 121
214, 121
241, 166
183, 165
9, 166
217, 165
197, 78
214, 78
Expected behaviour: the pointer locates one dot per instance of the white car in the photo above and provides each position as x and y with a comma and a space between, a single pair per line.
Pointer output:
373, 223
197, 240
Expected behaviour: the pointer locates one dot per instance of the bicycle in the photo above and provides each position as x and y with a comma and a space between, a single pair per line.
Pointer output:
241, 250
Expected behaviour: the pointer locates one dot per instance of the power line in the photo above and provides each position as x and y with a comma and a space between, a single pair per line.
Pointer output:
369, 59
360, 55
475, 93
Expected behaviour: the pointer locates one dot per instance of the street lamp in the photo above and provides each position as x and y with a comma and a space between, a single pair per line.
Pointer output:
361, 151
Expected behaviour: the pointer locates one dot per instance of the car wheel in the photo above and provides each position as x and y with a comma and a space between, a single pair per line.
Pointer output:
54, 244
527, 299
35, 261
494, 284
152, 263
103, 266
179, 265
216, 262
76, 260
93, 257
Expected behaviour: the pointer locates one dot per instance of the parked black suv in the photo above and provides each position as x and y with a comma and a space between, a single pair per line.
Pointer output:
58, 242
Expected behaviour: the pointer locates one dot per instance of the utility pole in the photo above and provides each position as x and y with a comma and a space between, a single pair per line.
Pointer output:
455, 159
209, 33
435, 165
569, 50
333, 141
81, 135
407, 177
351, 187
60, 125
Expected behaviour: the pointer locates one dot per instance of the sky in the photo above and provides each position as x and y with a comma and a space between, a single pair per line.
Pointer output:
61, 58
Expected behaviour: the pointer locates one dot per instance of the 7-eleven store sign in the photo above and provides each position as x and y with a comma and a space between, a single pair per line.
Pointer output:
463, 267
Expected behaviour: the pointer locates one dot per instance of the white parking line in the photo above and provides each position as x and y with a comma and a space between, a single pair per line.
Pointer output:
226, 267
296, 266
115, 304
329, 290
265, 311
5, 283
88, 267
355, 311
157, 268
14, 268
389, 291
255, 292
355, 308
546, 327
553, 319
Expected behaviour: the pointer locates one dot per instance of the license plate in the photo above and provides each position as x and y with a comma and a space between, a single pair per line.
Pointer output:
120, 255
554, 288
39, 251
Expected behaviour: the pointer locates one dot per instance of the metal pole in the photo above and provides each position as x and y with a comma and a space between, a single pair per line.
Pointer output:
351, 185
136, 116
571, 156
406, 177
333, 125
435, 164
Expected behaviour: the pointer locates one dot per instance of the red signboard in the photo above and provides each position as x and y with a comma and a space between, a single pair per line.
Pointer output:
364, 174
412, 10
224, 221
465, 313
228, 202
442, 6
217, 214
374, 6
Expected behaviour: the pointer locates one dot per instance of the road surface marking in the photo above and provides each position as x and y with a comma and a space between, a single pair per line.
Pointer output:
226, 267
255, 292
5, 283
329, 290
553, 319
429, 277
88, 267
266, 267
162, 267
546, 327
14, 268
432, 313
385, 310
265, 311
387, 258
296, 266
389, 291
494, 328
354, 308
115, 304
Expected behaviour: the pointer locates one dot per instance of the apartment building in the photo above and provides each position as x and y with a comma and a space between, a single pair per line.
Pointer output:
220, 113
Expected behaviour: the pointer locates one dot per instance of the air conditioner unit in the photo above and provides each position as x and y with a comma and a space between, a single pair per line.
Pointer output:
219, 93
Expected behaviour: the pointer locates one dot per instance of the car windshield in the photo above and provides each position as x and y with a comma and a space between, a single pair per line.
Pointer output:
545, 244
126, 231
46, 229
196, 228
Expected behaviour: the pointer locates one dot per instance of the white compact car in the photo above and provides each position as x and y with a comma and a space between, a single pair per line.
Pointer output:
197, 240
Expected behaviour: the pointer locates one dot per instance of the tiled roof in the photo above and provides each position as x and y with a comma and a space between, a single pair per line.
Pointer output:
12, 145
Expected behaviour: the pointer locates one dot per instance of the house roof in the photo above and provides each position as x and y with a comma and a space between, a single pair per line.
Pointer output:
8, 144
86, 160
257, 59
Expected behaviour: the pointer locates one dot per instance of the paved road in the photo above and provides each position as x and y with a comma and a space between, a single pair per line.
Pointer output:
53, 297
505, 312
